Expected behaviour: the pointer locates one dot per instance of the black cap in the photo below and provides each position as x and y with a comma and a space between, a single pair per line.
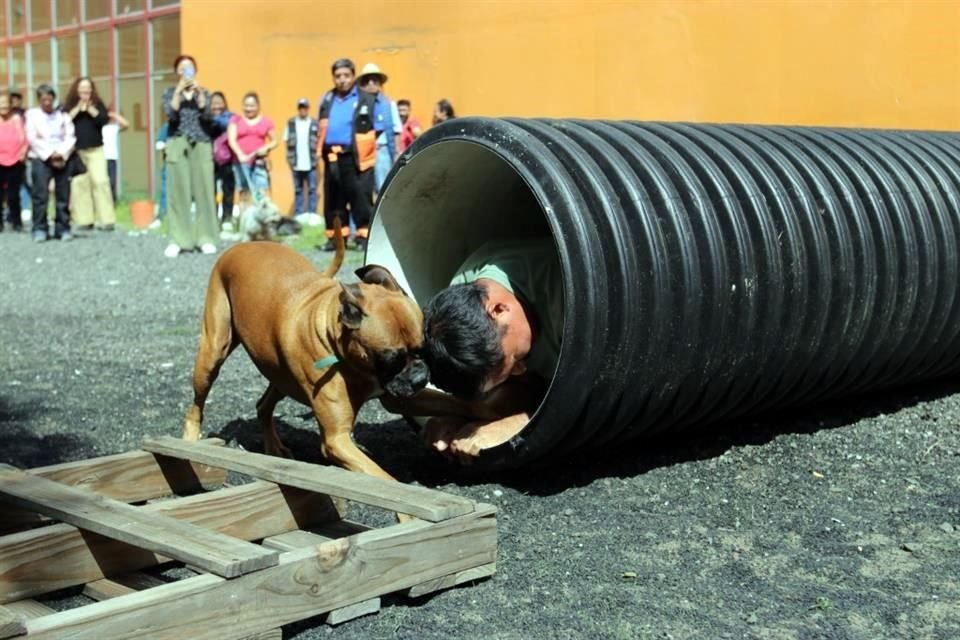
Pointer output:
303, 102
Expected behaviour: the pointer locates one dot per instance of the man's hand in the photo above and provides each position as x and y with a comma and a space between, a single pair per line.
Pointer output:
57, 161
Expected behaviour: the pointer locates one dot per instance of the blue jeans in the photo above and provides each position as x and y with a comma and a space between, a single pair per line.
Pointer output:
310, 197
257, 175
382, 167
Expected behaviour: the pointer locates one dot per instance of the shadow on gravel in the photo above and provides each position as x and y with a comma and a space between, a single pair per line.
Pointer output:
25, 449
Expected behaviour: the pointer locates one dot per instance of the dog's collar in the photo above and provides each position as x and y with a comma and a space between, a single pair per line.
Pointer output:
323, 363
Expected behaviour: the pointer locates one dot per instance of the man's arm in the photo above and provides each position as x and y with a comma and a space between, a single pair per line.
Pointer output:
39, 143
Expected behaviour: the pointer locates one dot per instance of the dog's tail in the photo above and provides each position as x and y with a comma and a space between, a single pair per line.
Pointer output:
339, 247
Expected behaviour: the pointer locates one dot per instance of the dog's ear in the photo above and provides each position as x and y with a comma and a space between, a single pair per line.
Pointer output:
375, 274
351, 313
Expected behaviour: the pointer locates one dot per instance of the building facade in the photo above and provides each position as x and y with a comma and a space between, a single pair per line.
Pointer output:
126, 46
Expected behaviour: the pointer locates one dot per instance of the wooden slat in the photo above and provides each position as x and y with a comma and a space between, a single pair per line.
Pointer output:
134, 476
305, 583
137, 581
53, 557
120, 586
453, 580
11, 624
30, 609
213, 551
421, 502
300, 539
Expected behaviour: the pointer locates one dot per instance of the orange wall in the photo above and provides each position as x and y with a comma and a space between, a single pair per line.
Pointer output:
877, 63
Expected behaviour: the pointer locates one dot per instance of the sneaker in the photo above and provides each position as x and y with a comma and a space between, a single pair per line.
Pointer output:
85, 227
39, 236
328, 246
172, 251
66, 236
155, 224
107, 227
208, 249
227, 225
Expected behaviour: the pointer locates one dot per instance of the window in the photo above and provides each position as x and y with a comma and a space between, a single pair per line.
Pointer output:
96, 9
156, 4
166, 43
65, 13
68, 61
132, 54
42, 63
18, 18
40, 15
99, 54
19, 67
4, 66
3, 19
129, 6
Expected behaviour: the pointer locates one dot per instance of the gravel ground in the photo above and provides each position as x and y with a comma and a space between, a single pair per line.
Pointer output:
840, 521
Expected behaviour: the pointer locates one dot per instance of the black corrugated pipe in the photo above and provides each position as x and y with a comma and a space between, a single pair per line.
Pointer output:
709, 270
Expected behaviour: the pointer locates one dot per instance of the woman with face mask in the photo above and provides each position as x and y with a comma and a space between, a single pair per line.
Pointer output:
91, 201
189, 162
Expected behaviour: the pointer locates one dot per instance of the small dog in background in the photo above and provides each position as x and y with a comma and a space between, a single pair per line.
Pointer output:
259, 220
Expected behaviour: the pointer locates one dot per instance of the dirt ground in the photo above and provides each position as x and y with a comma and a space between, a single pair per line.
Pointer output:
838, 521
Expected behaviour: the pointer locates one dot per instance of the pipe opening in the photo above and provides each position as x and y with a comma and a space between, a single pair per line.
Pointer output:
444, 203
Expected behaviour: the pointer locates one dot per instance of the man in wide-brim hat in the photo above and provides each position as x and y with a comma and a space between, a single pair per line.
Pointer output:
386, 121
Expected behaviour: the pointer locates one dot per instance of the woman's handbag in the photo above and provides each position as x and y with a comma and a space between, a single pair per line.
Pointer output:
75, 165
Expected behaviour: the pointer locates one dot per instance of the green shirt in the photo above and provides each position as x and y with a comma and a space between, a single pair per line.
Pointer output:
529, 269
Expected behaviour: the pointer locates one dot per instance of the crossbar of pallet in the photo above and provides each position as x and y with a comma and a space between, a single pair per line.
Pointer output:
58, 556
135, 582
210, 550
424, 503
11, 624
304, 583
133, 476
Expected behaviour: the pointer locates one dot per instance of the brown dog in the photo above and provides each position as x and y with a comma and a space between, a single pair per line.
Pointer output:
328, 345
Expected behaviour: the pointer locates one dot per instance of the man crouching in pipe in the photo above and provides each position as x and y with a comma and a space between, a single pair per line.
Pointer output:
493, 337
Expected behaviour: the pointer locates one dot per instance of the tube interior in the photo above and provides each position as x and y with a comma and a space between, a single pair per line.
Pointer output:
442, 205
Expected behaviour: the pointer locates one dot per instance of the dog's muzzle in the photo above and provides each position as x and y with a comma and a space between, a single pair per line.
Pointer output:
409, 381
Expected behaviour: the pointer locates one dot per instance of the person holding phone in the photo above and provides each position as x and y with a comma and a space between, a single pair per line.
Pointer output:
189, 162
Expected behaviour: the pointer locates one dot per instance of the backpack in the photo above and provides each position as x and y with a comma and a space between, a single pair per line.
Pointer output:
222, 153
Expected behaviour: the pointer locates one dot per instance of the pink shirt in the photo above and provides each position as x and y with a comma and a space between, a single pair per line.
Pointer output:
251, 137
13, 140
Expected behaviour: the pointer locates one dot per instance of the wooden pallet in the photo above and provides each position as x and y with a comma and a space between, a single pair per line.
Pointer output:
261, 555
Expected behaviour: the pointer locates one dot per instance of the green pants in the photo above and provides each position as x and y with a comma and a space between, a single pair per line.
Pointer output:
190, 180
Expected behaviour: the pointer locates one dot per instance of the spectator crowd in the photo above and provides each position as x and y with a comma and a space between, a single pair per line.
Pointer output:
215, 162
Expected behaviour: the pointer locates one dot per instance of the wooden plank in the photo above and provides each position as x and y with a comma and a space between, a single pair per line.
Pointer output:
120, 586
134, 476
300, 539
453, 580
305, 582
427, 504
11, 624
211, 550
53, 557
30, 609
138, 581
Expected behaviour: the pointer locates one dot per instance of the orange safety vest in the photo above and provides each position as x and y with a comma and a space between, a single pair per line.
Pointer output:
364, 135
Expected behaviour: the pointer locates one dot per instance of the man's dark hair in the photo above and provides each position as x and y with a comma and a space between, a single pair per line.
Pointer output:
461, 342
343, 63
403, 103
16, 94
45, 90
